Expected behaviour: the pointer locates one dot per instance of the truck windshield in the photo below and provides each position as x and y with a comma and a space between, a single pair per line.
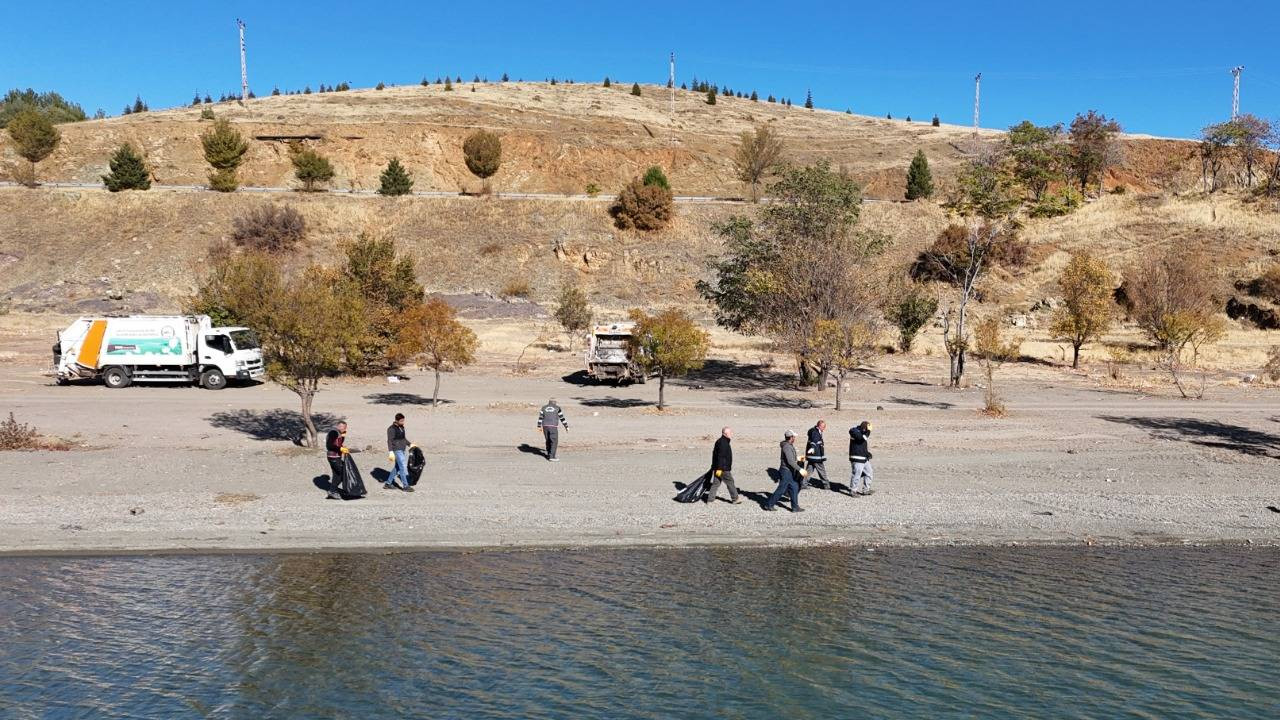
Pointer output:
244, 339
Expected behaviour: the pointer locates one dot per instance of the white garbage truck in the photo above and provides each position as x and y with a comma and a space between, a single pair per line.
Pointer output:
157, 348
609, 354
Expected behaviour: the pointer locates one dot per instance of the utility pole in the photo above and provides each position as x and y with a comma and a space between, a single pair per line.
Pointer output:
244, 71
1235, 91
977, 87
671, 83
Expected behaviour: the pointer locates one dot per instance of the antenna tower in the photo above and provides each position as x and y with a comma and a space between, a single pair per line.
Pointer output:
1235, 91
977, 87
244, 71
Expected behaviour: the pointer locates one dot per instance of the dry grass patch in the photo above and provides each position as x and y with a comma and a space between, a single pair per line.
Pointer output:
16, 435
226, 498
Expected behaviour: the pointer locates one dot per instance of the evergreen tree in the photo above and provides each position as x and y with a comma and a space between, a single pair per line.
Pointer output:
208, 100
380, 86
656, 177
395, 179
138, 105
505, 78
306, 90
224, 150
888, 116
311, 167
808, 99
127, 109
683, 86
447, 84
459, 79
635, 89
424, 82
606, 81
438, 80
553, 81
128, 172
847, 111
251, 95
754, 96
711, 96
196, 101
919, 178
908, 118
35, 137
772, 99
475, 79
275, 91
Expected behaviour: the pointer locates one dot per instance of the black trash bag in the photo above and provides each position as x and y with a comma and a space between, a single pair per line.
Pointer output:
352, 483
694, 491
417, 462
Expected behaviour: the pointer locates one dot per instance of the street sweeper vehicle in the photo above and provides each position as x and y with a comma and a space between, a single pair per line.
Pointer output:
184, 349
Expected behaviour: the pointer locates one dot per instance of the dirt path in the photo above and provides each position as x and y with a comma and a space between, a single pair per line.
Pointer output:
174, 469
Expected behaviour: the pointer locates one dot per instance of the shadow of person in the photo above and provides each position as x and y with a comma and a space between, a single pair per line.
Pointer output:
380, 475
527, 448
322, 482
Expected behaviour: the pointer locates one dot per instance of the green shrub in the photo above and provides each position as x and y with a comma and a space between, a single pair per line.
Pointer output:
395, 180
1057, 203
311, 167
656, 177
128, 171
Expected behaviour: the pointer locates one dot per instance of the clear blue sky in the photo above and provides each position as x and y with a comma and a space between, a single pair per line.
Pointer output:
1160, 68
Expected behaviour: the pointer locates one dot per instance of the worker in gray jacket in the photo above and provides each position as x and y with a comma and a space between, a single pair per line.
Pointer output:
550, 418
790, 475
860, 459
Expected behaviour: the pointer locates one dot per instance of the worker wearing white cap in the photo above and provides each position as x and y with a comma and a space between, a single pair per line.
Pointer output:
790, 475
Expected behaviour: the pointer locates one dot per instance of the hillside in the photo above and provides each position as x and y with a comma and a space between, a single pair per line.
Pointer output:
556, 138
85, 250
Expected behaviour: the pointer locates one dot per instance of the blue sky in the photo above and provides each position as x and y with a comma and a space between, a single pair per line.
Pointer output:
1159, 68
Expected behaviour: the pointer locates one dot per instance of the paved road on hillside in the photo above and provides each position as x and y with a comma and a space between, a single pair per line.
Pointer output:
689, 199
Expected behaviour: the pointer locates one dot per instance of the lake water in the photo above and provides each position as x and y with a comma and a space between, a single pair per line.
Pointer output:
701, 633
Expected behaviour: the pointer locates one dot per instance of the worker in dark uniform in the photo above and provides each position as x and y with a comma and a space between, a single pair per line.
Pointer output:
334, 449
790, 475
722, 468
815, 456
550, 418
860, 459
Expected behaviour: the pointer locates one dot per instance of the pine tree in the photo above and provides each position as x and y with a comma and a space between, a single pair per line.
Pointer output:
754, 96
505, 78
380, 86
919, 178
772, 99
458, 79
424, 82
475, 79
683, 86
447, 84
888, 116
936, 121
311, 167
908, 118
208, 100
808, 99
128, 172
635, 89
606, 81
275, 91
138, 105
306, 90
196, 101
395, 180
711, 96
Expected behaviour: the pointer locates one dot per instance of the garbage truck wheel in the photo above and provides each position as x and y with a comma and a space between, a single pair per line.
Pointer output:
116, 377
213, 379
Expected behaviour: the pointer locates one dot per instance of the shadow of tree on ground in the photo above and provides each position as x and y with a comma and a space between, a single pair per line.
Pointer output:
402, 398
1206, 433
277, 424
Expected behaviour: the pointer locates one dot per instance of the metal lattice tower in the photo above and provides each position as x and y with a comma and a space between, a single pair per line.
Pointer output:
1235, 91
244, 70
977, 87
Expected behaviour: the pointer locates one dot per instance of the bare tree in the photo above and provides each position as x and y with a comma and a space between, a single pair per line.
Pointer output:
759, 153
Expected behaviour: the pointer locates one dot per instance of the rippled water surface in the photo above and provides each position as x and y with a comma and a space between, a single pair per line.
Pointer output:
705, 633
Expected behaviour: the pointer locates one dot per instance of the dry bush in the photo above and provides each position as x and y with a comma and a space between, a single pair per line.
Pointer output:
643, 207
516, 288
943, 260
21, 436
18, 436
1272, 368
271, 228
1267, 285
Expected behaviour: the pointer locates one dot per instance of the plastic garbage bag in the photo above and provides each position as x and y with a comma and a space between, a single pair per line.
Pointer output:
417, 462
694, 491
352, 482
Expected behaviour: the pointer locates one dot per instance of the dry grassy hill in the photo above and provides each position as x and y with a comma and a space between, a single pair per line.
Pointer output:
86, 250
556, 138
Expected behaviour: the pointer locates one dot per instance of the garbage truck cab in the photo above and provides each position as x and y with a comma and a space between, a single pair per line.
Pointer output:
609, 354
157, 348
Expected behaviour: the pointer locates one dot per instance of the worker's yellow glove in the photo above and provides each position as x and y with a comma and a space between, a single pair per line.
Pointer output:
719, 473
344, 451
804, 473
391, 457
